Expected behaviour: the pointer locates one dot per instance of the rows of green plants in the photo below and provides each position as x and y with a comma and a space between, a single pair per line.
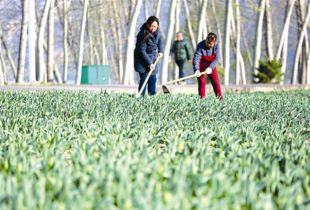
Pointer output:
68, 150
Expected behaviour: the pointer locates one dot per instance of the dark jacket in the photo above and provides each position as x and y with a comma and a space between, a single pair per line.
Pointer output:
146, 51
202, 50
180, 50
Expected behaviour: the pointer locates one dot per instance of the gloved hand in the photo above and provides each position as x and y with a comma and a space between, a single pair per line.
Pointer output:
208, 70
197, 73
160, 54
151, 67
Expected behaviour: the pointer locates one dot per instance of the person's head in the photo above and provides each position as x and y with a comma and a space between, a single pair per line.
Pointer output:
152, 24
179, 36
210, 40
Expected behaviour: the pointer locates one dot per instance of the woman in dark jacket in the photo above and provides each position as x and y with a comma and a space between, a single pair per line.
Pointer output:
148, 47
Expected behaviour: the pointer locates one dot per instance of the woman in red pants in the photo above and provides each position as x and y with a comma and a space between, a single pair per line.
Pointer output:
205, 59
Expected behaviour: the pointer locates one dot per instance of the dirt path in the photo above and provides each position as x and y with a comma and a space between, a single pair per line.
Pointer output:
133, 89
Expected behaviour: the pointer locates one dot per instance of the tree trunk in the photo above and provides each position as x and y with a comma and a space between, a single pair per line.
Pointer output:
23, 43
227, 41
164, 75
299, 46
283, 40
238, 53
81, 47
305, 47
117, 34
269, 33
56, 71
70, 40
235, 39
308, 70
90, 36
246, 47
176, 30
258, 36
42, 67
158, 8
3, 70
202, 24
65, 42
219, 34
120, 46
146, 12
104, 59
189, 25
32, 36
8, 53
50, 48
129, 67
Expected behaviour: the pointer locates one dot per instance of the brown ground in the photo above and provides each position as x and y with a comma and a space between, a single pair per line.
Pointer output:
133, 89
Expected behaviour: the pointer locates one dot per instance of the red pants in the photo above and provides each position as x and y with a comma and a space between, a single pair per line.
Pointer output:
215, 84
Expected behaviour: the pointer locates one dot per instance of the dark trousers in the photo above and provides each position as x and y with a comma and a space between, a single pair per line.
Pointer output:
180, 64
151, 84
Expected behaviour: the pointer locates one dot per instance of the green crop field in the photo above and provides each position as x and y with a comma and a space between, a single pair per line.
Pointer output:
65, 150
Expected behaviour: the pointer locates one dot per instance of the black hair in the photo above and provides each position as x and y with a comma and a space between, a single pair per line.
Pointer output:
149, 22
152, 19
211, 35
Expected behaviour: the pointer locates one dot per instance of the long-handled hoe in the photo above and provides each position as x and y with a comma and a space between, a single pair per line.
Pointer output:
166, 90
148, 76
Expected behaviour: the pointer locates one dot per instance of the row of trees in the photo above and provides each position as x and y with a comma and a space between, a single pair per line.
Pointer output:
51, 39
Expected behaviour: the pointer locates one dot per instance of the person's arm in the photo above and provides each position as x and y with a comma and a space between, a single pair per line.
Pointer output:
171, 49
141, 48
197, 58
217, 56
188, 54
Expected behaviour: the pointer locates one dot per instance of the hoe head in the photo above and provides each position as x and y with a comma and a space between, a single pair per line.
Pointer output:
165, 89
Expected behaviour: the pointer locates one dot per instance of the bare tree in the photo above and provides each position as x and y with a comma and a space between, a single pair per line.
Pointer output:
227, 40
129, 73
1, 71
118, 42
50, 54
202, 25
22, 43
283, 40
32, 36
3, 76
9, 56
235, 39
269, 33
81, 47
189, 24
299, 46
65, 40
164, 75
158, 8
299, 5
218, 29
238, 53
42, 67
90, 29
308, 70
176, 30
258, 36
104, 59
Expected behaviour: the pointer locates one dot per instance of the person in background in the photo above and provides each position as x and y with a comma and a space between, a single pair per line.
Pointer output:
148, 47
180, 51
206, 58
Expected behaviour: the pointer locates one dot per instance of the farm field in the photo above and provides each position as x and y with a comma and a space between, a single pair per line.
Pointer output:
82, 150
